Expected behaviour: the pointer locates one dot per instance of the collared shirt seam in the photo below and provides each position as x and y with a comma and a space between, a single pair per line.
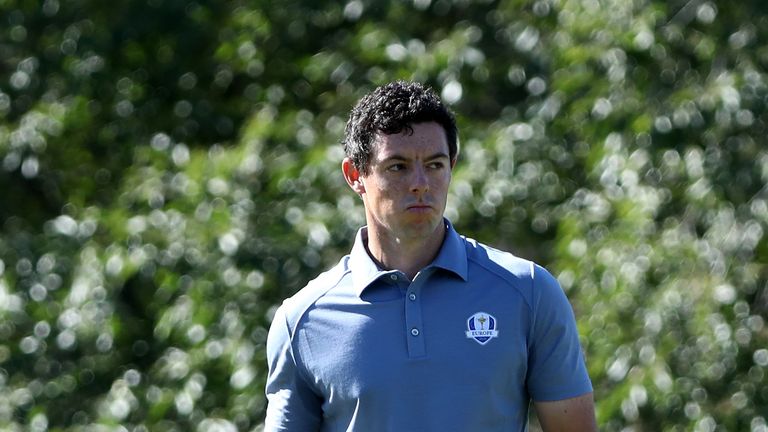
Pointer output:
297, 361
300, 316
505, 277
531, 328
293, 330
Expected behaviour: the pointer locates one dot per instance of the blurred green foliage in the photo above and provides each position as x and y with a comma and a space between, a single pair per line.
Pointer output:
170, 172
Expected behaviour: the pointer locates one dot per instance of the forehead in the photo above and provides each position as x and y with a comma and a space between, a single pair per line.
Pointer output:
422, 139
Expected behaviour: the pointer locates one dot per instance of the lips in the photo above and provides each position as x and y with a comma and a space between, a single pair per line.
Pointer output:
419, 207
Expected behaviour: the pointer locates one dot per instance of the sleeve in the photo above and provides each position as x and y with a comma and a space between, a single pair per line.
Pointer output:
292, 405
556, 368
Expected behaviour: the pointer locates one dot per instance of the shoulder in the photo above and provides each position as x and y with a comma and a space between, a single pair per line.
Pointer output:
504, 264
294, 307
523, 275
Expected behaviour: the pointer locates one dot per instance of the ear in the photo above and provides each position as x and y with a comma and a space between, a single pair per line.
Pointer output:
352, 176
456, 156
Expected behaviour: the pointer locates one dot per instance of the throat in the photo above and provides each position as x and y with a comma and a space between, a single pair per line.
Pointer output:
407, 257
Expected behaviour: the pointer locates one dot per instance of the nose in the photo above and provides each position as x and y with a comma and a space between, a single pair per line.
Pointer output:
419, 180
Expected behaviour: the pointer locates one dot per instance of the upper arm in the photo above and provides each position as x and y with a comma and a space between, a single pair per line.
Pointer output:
292, 405
556, 367
568, 415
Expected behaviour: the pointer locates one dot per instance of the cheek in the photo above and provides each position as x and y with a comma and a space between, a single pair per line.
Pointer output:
380, 193
442, 181
387, 187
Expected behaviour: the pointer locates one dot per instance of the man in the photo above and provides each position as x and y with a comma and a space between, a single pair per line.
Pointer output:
418, 328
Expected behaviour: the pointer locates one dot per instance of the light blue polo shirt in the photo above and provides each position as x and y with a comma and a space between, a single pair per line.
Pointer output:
463, 347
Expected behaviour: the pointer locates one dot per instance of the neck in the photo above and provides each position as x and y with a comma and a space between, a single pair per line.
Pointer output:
407, 255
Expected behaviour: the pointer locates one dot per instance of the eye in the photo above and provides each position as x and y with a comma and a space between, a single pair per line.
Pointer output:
396, 167
436, 165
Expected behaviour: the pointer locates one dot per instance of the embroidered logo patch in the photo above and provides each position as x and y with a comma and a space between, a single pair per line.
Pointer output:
482, 327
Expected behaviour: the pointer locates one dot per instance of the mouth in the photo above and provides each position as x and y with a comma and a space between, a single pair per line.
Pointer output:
419, 208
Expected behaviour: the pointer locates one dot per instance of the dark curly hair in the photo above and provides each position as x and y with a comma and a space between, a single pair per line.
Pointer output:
391, 109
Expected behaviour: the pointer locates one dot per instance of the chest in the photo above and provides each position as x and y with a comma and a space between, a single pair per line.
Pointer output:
412, 342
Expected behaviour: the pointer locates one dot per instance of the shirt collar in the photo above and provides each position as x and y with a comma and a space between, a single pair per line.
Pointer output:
452, 257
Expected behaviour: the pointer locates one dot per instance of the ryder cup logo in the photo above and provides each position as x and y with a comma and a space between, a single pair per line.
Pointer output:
482, 327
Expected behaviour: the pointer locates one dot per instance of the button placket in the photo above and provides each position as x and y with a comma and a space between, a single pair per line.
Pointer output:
413, 322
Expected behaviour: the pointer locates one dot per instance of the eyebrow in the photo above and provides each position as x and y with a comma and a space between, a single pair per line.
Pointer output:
398, 157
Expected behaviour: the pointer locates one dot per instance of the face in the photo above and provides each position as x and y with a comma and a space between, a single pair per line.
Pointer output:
406, 188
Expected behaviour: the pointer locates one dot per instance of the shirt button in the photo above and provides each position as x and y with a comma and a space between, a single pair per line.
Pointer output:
412, 296
415, 331
393, 277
